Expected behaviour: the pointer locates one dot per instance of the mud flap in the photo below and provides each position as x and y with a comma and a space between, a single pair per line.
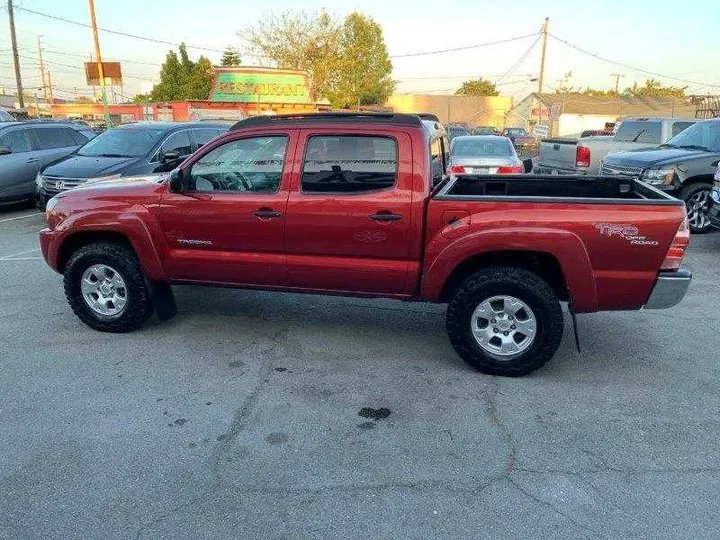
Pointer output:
575, 326
163, 299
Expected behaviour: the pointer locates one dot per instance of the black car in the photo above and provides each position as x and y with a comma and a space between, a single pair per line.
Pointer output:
683, 166
714, 213
127, 150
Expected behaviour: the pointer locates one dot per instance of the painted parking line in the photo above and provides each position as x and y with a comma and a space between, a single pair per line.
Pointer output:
17, 256
22, 259
5, 220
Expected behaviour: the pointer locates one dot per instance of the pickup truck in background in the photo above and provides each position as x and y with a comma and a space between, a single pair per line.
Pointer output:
583, 156
349, 204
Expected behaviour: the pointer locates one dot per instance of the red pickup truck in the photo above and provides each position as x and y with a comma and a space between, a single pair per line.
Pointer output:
359, 204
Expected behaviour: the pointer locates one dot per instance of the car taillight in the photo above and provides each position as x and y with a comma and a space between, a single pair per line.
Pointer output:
676, 252
582, 156
457, 169
512, 169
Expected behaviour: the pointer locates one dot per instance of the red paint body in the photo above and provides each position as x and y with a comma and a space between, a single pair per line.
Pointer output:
326, 243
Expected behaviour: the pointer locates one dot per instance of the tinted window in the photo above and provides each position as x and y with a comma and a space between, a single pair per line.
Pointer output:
54, 137
457, 132
203, 136
679, 127
17, 140
477, 147
639, 131
437, 160
177, 142
248, 165
336, 164
78, 137
703, 135
121, 142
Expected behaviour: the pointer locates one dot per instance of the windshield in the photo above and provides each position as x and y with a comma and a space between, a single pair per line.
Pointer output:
700, 136
478, 147
122, 143
639, 131
515, 131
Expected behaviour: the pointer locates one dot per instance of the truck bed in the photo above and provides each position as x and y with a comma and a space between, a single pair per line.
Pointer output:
549, 188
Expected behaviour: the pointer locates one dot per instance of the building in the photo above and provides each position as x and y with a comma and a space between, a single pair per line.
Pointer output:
475, 111
571, 114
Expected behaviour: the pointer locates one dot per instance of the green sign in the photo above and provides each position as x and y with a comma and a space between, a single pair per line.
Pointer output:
260, 87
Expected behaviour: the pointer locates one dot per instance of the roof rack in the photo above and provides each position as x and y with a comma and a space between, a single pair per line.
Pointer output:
312, 118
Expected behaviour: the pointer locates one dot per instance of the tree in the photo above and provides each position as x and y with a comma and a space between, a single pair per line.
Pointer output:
141, 98
654, 88
364, 67
349, 63
231, 57
477, 87
182, 78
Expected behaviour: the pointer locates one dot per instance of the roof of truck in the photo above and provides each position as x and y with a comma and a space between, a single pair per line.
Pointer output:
332, 117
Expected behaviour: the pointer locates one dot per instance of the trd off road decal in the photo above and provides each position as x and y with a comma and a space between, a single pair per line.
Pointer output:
631, 233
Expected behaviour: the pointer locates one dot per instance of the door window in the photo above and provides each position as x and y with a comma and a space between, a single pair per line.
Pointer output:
54, 137
437, 161
680, 126
78, 137
252, 165
177, 142
641, 131
17, 140
347, 164
203, 136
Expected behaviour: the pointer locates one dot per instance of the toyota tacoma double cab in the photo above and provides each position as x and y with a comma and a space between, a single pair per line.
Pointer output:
362, 205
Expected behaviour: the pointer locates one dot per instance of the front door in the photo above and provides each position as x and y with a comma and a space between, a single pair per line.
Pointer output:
227, 225
18, 168
348, 221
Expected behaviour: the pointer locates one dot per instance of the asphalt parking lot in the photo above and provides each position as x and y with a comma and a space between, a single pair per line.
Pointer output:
269, 416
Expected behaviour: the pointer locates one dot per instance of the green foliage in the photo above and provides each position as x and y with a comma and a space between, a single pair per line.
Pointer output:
182, 78
141, 98
231, 57
654, 88
348, 62
477, 87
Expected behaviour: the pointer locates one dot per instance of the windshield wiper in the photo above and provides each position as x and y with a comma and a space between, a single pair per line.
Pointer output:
113, 155
695, 147
668, 145
638, 135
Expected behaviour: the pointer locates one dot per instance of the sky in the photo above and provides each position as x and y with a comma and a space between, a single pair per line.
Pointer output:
656, 36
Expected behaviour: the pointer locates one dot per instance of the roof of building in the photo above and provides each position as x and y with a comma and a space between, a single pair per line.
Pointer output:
618, 105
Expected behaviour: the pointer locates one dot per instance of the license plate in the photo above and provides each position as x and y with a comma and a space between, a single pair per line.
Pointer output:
479, 170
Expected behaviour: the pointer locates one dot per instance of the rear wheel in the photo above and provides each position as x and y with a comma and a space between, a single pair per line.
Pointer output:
106, 289
505, 321
697, 203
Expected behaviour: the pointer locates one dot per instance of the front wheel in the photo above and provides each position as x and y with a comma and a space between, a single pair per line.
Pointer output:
697, 203
505, 321
106, 289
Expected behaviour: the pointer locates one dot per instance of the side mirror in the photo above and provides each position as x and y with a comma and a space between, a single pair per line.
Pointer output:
5, 150
527, 165
176, 180
170, 155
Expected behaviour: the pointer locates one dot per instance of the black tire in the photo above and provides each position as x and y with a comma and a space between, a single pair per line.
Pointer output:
138, 307
523, 285
686, 194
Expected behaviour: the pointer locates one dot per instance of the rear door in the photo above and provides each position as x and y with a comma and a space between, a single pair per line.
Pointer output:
228, 224
17, 169
348, 216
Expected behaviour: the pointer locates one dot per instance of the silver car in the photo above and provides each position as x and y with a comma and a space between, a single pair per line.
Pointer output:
485, 154
26, 147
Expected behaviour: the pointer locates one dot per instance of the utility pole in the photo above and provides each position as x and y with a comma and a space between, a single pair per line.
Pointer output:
101, 74
52, 99
617, 81
42, 70
541, 75
16, 58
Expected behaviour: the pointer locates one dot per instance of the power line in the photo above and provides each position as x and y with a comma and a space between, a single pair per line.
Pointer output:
116, 32
520, 60
627, 66
465, 48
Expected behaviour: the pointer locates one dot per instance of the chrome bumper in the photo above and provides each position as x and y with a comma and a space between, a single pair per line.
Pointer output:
669, 289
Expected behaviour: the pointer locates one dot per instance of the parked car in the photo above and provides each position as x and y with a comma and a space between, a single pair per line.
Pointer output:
684, 167
572, 156
485, 130
344, 204
26, 147
485, 154
128, 150
6, 116
714, 210
519, 137
454, 130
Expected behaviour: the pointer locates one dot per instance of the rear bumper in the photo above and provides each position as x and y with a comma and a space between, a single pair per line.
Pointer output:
669, 289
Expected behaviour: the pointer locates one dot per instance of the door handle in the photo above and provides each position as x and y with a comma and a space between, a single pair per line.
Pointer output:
385, 215
266, 213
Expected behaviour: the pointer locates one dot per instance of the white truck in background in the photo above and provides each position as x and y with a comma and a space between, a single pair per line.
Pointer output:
583, 156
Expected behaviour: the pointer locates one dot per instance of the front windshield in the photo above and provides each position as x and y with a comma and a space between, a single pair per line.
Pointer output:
122, 143
700, 136
515, 131
478, 147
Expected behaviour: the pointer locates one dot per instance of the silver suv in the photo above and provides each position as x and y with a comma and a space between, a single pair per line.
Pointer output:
26, 147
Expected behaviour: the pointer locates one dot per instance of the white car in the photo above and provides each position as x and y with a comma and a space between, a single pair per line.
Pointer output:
485, 154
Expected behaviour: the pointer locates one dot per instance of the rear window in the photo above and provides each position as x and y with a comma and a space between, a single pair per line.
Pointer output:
55, 137
639, 131
342, 164
480, 148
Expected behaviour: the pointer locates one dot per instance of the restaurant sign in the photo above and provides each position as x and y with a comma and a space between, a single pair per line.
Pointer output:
257, 85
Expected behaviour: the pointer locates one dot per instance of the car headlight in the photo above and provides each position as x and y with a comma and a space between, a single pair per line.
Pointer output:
38, 180
659, 176
102, 178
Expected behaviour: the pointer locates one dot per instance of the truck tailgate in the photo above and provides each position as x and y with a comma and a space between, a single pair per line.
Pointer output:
557, 155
